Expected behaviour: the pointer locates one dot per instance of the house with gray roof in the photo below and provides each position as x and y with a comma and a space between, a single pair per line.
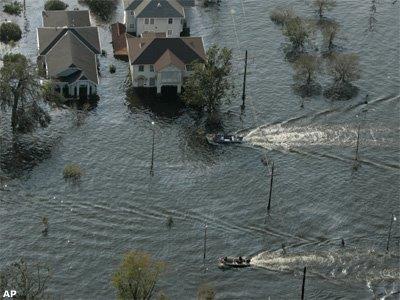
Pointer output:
158, 62
158, 16
68, 54
70, 18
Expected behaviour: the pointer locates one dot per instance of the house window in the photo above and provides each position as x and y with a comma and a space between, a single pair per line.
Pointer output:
170, 20
146, 21
132, 25
141, 68
151, 68
132, 12
189, 68
152, 81
169, 33
152, 21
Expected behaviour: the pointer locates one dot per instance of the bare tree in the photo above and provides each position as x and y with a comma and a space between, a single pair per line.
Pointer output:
323, 5
306, 68
281, 15
298, 32
330, 31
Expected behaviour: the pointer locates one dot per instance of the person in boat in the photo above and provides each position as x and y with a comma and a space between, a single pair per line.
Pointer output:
240, 260
225, 259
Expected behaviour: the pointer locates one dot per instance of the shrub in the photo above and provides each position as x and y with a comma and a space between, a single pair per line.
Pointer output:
281, 16
14, 8
72, 171
55, 5
112, 69
10, 32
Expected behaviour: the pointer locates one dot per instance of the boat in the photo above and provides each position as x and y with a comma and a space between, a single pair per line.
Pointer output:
221, 138
233, 262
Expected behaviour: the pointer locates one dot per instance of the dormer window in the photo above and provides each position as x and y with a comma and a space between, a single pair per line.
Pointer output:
170, 21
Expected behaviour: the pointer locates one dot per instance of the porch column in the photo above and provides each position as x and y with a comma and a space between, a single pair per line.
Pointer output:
158, 88
178, 88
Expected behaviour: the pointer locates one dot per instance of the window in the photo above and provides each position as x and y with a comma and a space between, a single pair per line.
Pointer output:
189, 68
132, 12
146, 21
132, 25
170, 21
151, 68
152, 21
141, 68
152, 81
169, 33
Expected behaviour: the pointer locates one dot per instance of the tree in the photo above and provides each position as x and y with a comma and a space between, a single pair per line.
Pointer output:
55, 5
306, 67
13, 8
10, 32
30, 281
322, 5
137, 276
297, 31
281, 16
20, 90
330, 31
210, 84
344, 68
102, 8
205, 292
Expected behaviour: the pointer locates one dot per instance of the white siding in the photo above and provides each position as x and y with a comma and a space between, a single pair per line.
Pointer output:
160, 25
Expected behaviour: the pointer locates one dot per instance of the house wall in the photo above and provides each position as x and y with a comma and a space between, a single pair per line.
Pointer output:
160, 25
129, 21
71, 87
138, 76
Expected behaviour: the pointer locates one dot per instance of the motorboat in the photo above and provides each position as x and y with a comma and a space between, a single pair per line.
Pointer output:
221, 138
233, 262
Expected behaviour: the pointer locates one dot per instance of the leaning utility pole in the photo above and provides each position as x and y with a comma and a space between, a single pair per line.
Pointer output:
304, 283
244, 83
152, 152
205, 242
270, 187
358, 143
390, 232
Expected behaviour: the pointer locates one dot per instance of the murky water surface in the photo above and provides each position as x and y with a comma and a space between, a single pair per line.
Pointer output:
317, 199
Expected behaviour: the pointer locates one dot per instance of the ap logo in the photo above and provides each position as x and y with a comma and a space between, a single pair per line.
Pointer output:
9, 294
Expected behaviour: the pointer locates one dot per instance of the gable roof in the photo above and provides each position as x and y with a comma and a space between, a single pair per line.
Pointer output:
160, 51
168, 59
68, 55
70, 18
131, 4
49, 36
159, 9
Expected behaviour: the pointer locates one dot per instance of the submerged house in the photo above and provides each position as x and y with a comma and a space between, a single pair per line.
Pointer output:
68, 47
158, 62
159, 16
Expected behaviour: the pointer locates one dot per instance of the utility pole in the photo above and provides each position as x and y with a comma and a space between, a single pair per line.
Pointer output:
390, 232
270, 187
244, 83
205, 242
358, 143
304, 283
152, 151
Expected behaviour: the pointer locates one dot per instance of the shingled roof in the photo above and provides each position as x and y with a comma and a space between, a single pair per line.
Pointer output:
133, 4
69, 18
161, 51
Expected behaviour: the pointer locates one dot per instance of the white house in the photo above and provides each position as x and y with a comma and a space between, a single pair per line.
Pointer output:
157, 62
159, 16
68, 53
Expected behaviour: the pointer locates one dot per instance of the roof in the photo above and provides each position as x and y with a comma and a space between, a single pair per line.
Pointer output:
70, 18
158, 9
161, 51
133, 4
49, 36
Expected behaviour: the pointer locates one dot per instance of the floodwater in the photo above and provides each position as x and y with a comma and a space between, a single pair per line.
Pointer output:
317, 199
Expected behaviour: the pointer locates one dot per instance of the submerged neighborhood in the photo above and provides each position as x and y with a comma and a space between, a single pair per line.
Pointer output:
199, 149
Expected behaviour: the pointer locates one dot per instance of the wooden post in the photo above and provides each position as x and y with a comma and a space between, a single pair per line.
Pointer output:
152, 152
205, 242
304, 283
270, 187
244, 83
390, 233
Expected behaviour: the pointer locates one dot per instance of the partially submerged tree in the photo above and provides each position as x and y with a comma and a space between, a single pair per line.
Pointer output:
13, 8
30, 281
205, 292
306, 68
323, 5
10, 32
20, 91
330, 31
137, 276
281, 15
344, 68
55, 5
210, 84
104, 9
298, 32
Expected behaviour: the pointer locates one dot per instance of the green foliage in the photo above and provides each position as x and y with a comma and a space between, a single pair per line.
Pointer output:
104, 9
30, 281
322, 5
55, 5
205, 292
281, 15
10, 32
137, 276
210, 84
20, 91
298, 32
49, 94
13, 8
112, 69
72, 171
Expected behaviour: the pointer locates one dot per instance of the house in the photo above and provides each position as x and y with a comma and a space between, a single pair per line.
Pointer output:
68, 53
158, 62
165, 16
